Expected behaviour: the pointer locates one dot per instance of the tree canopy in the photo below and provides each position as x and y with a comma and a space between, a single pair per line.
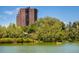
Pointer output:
46, 29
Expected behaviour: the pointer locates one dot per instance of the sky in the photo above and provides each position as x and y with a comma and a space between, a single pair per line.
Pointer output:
63, 13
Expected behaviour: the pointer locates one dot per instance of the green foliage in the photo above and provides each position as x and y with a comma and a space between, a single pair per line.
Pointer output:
46, 29
32, 28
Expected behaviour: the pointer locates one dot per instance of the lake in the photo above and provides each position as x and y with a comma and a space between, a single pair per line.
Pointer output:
40, 48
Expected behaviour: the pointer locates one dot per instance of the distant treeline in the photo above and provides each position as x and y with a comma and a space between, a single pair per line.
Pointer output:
46, 29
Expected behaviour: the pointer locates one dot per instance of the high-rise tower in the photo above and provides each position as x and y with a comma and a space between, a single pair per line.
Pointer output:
26, 16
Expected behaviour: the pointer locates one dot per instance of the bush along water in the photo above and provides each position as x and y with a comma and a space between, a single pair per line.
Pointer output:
46, 29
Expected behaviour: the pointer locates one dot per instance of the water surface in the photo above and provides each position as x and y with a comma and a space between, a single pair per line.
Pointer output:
40, 48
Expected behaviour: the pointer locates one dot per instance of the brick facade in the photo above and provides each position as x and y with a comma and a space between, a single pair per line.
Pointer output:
26, 16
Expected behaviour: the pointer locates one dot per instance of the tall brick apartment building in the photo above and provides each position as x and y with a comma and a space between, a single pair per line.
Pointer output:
26, 16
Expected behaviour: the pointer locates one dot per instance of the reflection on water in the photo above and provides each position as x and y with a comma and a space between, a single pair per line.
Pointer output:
39, 48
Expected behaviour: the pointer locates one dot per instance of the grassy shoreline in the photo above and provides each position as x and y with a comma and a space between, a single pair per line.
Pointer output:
18, 40
26, 40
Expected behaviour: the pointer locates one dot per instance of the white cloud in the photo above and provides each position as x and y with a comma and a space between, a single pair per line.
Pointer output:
9, 12
15, 11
